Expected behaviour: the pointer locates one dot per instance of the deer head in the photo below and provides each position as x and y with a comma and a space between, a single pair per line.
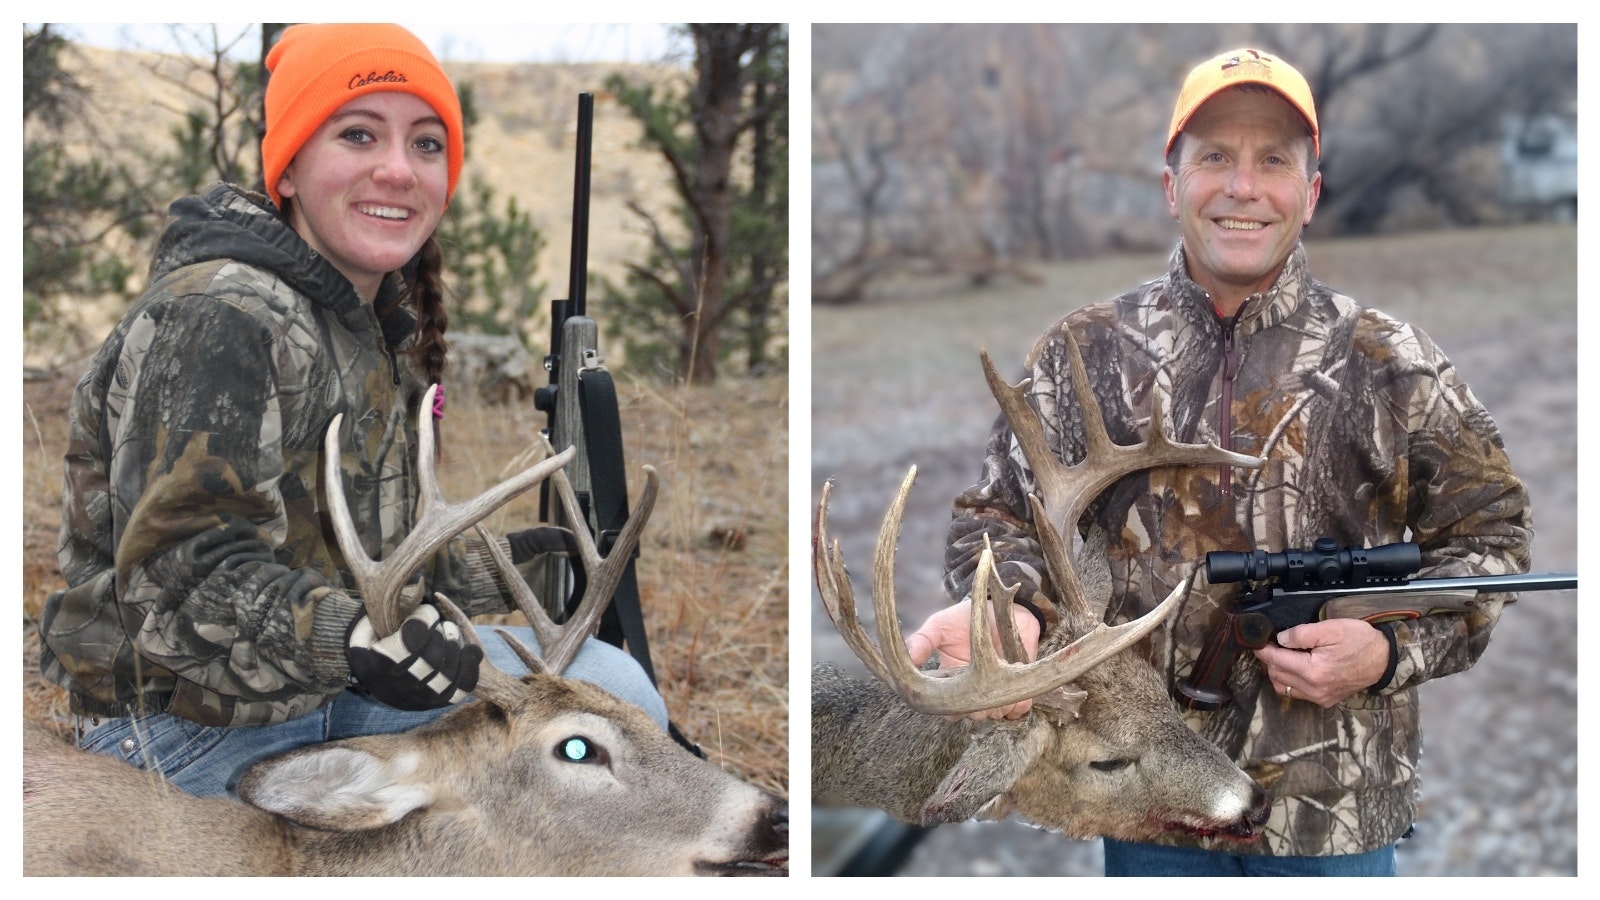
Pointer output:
1104, 750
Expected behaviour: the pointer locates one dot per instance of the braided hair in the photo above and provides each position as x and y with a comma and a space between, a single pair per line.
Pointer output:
425, 293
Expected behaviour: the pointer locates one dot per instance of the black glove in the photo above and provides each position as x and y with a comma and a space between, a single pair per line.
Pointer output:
542, 541
424, 665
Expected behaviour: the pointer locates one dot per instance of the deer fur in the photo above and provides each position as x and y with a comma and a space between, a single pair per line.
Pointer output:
1125, 767
477, 792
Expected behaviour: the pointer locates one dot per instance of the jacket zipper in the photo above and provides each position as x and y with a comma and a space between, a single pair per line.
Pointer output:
1230, 369
383, 344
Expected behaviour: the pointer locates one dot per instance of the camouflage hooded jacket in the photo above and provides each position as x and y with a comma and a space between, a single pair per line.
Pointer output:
202, 576
1370, 437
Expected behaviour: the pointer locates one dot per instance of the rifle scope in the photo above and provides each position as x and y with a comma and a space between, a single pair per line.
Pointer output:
1326, 563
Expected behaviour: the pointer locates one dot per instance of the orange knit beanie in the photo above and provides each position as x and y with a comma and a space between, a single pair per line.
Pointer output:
315, 69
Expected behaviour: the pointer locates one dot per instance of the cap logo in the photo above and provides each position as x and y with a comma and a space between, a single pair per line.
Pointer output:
389, 77
1230, 66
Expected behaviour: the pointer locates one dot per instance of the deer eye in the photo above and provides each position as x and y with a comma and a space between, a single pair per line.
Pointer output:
579, 749
1110, 765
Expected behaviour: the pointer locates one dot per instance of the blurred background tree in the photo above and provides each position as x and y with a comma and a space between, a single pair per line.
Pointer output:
72, 204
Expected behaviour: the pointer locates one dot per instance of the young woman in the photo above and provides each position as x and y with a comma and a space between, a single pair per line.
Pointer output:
209, 620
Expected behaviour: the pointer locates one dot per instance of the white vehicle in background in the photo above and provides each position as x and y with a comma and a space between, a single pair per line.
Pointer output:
1539, 159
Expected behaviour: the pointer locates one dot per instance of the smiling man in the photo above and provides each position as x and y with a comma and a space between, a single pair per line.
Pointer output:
1369, 436
1241, 180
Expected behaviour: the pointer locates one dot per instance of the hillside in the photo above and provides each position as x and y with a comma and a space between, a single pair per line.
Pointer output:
524, 145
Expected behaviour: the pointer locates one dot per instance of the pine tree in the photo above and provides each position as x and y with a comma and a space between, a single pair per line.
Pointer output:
725, 139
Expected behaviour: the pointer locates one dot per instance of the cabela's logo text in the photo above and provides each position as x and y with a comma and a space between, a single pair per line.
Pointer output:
389, 77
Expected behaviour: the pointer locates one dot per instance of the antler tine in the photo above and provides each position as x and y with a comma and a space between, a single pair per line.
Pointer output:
560, 643
437, 522
1004, 622
603, 573
523, 597
988, 681
1065, 491
838, 597
944, 692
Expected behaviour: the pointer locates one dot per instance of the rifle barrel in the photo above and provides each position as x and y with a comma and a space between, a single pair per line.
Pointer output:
577, 278
1485, 584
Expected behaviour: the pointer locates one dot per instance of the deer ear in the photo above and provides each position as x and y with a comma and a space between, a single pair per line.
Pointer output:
336, 788
996, 756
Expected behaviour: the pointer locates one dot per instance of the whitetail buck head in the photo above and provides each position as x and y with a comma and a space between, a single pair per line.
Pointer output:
1103, 752
544, 776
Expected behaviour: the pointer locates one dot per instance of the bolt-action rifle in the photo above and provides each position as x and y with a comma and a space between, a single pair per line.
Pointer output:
580, 407
1328, 582
573, 349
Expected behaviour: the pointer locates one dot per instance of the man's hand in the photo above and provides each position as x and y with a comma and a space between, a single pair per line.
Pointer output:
947, 630
1325, 662
424, 665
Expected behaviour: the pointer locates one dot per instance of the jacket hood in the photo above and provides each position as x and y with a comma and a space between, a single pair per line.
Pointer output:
226, 222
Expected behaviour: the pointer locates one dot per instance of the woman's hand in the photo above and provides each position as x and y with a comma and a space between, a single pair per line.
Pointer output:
424, 665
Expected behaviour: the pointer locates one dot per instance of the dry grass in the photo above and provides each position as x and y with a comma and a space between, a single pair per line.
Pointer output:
44, 439
713, 569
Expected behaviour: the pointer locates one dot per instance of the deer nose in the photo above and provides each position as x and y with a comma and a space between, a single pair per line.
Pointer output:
1263, 805
1260, 809
779, 819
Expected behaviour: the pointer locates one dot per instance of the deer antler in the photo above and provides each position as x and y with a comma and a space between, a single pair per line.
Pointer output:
1063, 494
437, 522
1064, 491
559, 643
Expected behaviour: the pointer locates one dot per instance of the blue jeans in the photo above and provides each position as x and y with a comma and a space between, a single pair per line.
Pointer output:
208, 760
1124, 858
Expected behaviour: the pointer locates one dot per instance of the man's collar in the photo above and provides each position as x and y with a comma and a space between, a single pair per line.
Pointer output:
1261, 310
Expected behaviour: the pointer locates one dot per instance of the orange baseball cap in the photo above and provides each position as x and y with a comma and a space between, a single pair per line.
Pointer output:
1244, 67
317, 68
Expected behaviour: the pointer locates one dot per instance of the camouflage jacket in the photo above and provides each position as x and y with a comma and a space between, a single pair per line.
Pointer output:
1370, 437
202, 574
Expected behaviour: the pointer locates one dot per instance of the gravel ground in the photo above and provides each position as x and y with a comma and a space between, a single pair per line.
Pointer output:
1499, 771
